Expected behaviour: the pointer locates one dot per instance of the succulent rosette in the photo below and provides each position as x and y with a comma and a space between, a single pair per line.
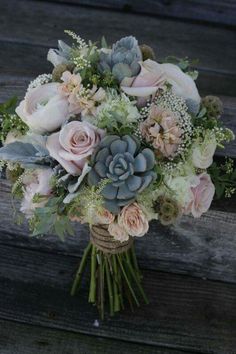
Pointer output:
114, 139
128, 168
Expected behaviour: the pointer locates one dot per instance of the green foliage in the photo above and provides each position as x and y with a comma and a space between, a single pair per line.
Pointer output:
9, 121
185, 64
52, 218
224, 178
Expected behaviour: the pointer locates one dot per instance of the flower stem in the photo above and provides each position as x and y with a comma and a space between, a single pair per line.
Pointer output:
127, 280
109, 286
101, 276
92, 291
80, 270
116, 282
136, 278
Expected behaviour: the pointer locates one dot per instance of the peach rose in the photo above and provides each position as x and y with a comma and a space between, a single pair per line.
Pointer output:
104, 216
43, 109
153, 76
74, 144
118, 232
203, 194
133, 220
162, 131
38, 182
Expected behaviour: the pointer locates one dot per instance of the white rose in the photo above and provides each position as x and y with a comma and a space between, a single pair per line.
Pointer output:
202, 154
43, 109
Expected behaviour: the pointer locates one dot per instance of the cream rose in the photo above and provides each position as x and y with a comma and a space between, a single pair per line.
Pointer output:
133, 220
202, 153
43, 109
203, 195
152, 77
38, 182
118, 232
74, 144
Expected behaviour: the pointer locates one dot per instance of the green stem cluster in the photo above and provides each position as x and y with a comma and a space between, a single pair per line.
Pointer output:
114, 275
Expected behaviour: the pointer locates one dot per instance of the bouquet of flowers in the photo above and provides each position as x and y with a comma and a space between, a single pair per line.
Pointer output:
114, 139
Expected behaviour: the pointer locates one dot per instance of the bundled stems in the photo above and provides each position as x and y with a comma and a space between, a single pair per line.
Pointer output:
115, 275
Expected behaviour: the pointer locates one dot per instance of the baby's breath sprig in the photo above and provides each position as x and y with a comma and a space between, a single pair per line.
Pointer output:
40, 80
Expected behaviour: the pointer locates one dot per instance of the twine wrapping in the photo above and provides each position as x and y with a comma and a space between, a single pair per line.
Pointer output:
101, 238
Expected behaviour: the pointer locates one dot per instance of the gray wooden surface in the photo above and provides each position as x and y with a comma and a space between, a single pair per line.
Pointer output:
189, 268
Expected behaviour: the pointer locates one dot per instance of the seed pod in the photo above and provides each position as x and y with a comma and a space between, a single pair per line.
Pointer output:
59, 70
147, 52
213, 106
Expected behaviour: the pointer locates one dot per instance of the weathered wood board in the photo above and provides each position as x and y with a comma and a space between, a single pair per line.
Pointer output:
217, 11
19, 338
185, 313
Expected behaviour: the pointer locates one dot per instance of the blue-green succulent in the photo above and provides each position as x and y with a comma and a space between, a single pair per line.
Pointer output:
128, 169
123, 59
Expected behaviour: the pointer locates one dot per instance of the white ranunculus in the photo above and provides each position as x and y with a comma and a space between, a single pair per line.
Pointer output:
43, 109
202, 153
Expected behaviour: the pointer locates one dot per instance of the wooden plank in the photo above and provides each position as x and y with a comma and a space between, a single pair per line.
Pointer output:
187, 314
20, 338
204, 248
167, 37
217, 11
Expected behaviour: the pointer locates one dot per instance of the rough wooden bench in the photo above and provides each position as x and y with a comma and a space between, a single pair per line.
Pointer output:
189, 268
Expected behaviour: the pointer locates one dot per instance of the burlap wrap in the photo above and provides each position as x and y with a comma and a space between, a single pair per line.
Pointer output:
101, 238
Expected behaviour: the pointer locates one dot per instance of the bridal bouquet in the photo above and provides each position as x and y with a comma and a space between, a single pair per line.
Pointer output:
114, 139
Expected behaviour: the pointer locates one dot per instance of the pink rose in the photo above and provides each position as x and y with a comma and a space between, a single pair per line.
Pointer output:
133, 220
118, 232
153, 76
203, 194
148, 81
43, 109
74, 144
37, 182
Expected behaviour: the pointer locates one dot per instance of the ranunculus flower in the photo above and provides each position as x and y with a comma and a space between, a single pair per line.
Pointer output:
202, 154
133, 220
152, 77
161, 129
37, 182
203, 194
43, 109
74, 144
118, 232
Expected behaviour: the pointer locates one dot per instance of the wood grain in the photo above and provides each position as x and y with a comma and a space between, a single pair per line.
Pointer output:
167, 38
204, 248
30, 339
217, 11
187, 314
